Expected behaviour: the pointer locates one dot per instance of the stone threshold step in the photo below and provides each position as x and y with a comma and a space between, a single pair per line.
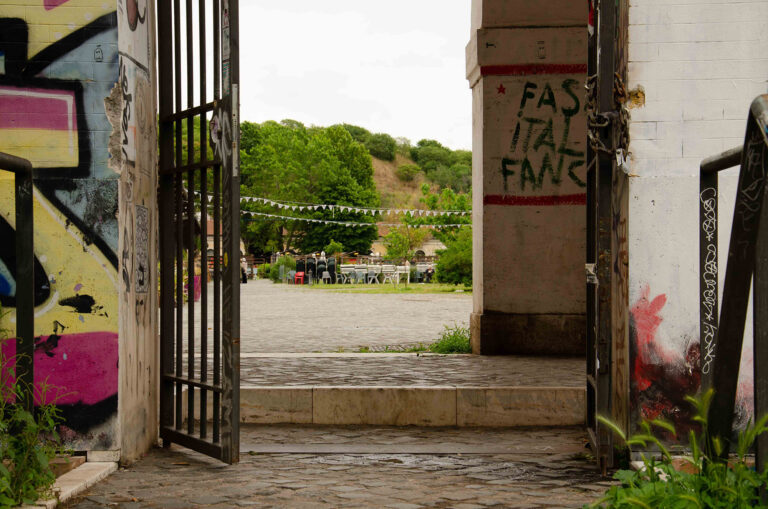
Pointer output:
411, 406
75, 482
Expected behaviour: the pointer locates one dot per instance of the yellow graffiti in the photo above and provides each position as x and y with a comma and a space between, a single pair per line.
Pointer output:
50, 25
72, 265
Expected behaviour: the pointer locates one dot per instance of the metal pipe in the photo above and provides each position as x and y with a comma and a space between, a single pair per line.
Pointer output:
722, 161
25, 275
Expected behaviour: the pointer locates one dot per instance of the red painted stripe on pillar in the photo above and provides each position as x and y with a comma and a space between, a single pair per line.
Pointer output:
535, 201
529, 69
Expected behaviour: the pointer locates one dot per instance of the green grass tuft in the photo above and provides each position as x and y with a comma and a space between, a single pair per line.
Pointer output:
452, 340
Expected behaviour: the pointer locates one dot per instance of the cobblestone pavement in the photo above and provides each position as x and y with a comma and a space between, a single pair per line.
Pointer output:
410, 369
560, 476
289, 318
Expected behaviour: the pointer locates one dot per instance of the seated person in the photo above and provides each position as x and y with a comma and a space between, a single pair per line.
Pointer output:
429, 273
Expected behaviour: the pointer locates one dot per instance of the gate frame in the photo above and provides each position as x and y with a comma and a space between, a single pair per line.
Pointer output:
225, 386
607, 228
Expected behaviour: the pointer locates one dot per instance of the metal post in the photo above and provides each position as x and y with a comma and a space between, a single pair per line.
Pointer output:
708, 257
25, 275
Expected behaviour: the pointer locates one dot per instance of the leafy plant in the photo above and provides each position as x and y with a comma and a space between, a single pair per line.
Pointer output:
264, 271
333, 248
289, 264
28, 440
709, 481
452, 340
407, 172
455, 263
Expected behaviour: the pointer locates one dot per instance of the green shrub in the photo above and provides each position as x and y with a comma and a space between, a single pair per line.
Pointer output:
263, 272
716, 482
382, 146
407, 172
452, 340
287, 261
28, 441
333, 248
455, 263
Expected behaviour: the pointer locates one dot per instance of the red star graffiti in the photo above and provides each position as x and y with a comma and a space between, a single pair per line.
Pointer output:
501, 89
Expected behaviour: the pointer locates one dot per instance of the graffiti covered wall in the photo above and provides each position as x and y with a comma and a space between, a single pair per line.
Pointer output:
529, 178
133, 145
58, 61
693, 73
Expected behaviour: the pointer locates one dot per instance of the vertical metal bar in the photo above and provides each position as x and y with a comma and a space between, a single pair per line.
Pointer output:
760, 327
25, 284
591, 260
167, 247
190, 223
179, 214
217, 235
708, 275
203, 231
606, 57
231, 300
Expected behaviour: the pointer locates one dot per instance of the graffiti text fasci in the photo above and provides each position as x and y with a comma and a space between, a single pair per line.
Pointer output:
535, 153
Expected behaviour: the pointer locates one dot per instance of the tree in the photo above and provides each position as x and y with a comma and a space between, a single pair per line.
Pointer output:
455, 263
402, 242
289, 162
407, 172
381, 146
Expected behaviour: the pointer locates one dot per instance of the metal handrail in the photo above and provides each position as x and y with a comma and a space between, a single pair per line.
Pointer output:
722, 339
708, 255
25, 274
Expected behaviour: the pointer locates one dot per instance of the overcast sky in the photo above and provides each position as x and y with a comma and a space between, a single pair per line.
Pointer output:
395, 67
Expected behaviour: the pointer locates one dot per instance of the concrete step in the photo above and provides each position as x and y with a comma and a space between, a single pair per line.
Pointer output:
411, 406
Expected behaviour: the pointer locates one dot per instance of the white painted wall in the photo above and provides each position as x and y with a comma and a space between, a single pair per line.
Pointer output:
701, 63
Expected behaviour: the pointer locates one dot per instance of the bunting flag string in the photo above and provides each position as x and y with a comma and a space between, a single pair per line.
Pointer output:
348, 223
303, 207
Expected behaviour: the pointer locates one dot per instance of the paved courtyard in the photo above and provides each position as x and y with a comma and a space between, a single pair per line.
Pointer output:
399, 468
290, 318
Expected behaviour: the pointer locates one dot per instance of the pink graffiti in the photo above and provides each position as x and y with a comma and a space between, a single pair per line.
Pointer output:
647, 320
83, 367
52, 4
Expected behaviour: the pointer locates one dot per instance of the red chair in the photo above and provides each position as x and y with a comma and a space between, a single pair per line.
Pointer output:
299, 276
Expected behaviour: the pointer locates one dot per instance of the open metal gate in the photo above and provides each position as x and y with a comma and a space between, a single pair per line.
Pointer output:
607, 256
199, 186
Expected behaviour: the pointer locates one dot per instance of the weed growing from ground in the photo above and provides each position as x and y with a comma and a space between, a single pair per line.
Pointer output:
452, 340
714, 482
28, 441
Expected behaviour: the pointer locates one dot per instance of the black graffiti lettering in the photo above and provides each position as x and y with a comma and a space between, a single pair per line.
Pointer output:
546, 137
548, 98
531, 122
534, 152
127, 103
528, 93
515, 138
569, 112
506, 172
527, 175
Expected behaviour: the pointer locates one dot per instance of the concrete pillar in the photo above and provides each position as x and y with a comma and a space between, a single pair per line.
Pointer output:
526, 64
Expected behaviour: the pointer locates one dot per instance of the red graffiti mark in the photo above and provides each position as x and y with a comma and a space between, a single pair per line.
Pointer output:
529, 69
52, 4
501, 89
535, 201
647, 320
